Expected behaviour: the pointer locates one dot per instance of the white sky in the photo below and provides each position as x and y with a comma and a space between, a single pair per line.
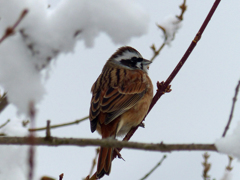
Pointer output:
196, 111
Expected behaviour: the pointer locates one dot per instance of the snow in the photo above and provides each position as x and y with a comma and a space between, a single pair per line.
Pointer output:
171, 24
13, 158
230, 143
227, 175
46, 32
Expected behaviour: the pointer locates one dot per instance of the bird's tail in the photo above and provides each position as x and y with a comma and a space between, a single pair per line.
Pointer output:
104, 162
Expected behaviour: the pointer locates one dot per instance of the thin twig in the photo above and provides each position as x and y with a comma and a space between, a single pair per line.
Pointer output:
156, 52
232, 109
206, 166
3, 102
48, 131
183, 8
154, 168
47, 178
161, 147
60, 125
4, 124
229, 166
93, 165
31, 140
94, 161
11, 30
61, 176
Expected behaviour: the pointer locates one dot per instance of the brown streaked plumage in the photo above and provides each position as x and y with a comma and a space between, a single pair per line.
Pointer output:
121, 97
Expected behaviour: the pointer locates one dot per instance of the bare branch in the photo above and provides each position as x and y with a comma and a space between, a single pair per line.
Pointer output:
3, 102
183, 8
60, 125
232, 109
4, 124
162, 88
229, 166
155, 167
11, 30
31, 140
94, 161
48, 131
61, 176
206, 166
161, 147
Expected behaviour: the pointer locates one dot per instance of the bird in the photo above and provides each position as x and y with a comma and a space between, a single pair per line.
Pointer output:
121, 97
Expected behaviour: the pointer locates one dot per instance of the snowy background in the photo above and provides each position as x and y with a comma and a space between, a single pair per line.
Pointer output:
196, 111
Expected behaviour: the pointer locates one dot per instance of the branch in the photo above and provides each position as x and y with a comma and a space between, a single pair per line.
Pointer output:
161, 147
61, 176
183, 8
4, 124
3, 102
232, 109
162, 87
154, 168
206, 166
11, 30
60, 125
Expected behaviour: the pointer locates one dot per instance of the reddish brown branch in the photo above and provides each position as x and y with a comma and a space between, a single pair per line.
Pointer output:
161, 88
232, 109
11, 30
61, 176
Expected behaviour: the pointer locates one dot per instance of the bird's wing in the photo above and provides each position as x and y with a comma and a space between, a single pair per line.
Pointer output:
114, 101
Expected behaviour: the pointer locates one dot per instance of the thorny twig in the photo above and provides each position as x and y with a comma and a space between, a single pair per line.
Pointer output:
11, 30
232, 109
154, 168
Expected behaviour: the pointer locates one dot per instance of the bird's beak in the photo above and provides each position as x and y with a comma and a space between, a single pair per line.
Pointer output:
146, 62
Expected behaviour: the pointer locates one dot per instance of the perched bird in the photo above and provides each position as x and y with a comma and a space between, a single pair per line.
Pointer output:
121, 97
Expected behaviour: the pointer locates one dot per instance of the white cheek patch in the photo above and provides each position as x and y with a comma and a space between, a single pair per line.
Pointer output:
128, 55
146, 68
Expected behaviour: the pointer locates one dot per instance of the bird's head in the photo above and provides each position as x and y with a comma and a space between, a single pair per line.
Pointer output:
129, 58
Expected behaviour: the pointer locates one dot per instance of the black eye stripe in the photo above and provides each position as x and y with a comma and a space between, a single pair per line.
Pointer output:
131, 62
136, 59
